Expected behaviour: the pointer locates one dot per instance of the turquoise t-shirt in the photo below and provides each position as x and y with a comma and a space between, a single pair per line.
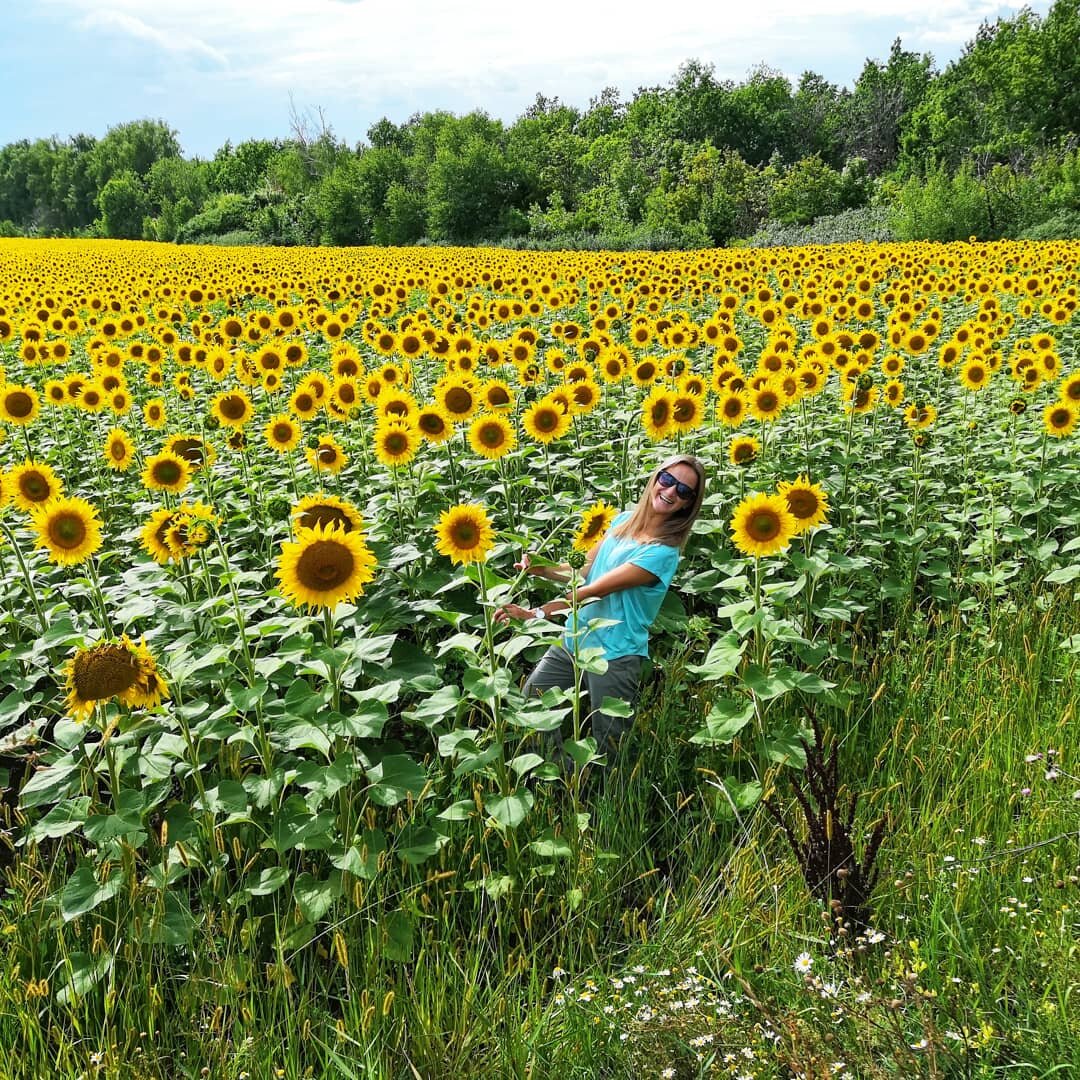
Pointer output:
636, 608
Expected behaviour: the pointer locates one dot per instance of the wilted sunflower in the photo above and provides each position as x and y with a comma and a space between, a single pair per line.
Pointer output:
656, 413
762, 525
807, 503
545, 421
19, 405
743, 450
232, 409
395, 442
464, 534
434, 424
32, 484
329, 511
594, 524
327, 455
491, 436
323, 566
1059, 419
119, 450
68, 529
282, 433
166, 472
112, 669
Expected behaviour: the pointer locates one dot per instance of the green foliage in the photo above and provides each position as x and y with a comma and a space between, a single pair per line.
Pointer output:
222, 214
123, 203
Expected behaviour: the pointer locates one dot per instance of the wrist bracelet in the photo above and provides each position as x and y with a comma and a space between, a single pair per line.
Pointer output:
538, 613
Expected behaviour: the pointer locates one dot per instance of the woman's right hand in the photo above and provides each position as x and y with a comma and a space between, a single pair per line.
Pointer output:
526, 567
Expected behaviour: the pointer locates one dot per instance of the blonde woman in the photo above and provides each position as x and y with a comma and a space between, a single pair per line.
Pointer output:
627, 574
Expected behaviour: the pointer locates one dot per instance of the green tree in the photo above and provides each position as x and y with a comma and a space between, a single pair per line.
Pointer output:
123, 205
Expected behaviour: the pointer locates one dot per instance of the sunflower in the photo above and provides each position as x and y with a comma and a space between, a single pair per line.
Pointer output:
119, 450
328, 511
282, 433
395, 442
545, 421
153, 535
457, 399
327, 455
594, 524
584, 395
154, 413
233, 409
1070, 389
766, 402
893, 392
656, 413
303, 403
1059, 419
744, 450
166, 472
323, 566
645, 372
687, 412
762, 525
68, 529
19, 405
464, 534
194, 450
434, 424
31, 485
491, 436
497, 395
807, 503
189, 530
112, 669
975, 374
919, 415
731, 408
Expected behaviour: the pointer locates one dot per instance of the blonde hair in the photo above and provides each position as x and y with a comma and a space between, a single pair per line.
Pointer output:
675, 529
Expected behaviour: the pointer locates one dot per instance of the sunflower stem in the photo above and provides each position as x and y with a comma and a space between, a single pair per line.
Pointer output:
95, 581
332, 667
10, 534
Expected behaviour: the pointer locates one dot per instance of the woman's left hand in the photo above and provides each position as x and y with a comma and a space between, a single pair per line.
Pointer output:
512, 611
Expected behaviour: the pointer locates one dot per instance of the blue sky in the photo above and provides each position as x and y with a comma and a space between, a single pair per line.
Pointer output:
231, 69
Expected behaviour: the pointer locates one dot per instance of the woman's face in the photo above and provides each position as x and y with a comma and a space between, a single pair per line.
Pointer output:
667, 501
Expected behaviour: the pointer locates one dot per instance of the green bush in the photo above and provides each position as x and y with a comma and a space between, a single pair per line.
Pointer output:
1064, 225
224, 214
869, 224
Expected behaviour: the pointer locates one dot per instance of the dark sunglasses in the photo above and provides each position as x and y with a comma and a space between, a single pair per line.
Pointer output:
666, 480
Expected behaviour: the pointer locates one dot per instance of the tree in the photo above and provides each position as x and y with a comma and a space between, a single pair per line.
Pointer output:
123, 206
133, 147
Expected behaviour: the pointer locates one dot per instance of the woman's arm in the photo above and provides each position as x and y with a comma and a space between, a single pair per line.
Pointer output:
560, 573
627, 576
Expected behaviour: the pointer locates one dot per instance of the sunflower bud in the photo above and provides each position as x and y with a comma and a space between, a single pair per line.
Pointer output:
1018, 406
211, 423
576, 559
312, 442
278, 508
866, 382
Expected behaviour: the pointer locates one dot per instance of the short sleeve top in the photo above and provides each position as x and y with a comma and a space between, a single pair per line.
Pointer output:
634, 610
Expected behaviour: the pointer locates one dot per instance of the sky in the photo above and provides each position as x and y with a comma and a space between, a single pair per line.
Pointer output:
217, 70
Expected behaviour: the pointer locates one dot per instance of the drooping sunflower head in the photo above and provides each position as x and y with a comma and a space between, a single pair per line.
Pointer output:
807, 503
166, 472
464, 534
68, 529
762, 525
328, 511
324, 566
595, 522
111, 670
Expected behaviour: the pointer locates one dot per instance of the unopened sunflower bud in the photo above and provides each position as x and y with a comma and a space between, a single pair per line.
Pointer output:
278, 508
576, 559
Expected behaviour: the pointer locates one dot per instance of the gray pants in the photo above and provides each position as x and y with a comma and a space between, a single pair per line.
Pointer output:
556, 668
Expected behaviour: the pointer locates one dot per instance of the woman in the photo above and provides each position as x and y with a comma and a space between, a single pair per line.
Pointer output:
627, 574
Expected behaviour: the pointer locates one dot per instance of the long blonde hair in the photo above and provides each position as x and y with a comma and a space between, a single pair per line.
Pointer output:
675, 530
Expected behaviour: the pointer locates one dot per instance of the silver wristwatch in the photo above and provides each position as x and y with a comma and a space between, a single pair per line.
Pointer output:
538, 613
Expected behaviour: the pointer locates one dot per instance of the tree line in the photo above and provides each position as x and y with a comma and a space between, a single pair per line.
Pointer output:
989, 146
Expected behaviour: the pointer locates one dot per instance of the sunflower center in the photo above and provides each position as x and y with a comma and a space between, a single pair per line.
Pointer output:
432, 424
67, 531
104, 672
492, 435
459, 400
546, 420
764, 525
767, 401
233, 407
465, 535
19, 404
396, 443
190, 450
167, 472
732, 408
802, 504
326, 516
684, 411
1060, 418
660, 412
744, 452
282, 433
498, 396
324, 565
35, 487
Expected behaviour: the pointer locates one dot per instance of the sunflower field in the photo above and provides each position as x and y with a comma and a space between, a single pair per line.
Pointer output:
272, 802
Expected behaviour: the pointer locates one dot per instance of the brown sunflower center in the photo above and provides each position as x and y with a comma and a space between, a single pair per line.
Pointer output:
34, 487
465, 535
546, 420
498, 396
732, 408
593, 527
432, 424
684, 411
323, 514
458, 400
660, 412
767, 401
802, 503
327, 454
282, 432
117, 450
397, 442
304, 403
646, 371
492, 435
104, 672
19, 404
190, 450
744, 452
1060, 418
67, 531
764, 525
233, 407
325, 565
167, 472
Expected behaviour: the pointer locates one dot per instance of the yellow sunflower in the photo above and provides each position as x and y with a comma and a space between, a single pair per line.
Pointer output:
282, 433
189, 529
491, 436
166, 472
457, 399
766, 402
919, 415
323, 566
762, 525
687, 412
434, 424
233, 409
119, 450
328, 511
32, 484
544, 421
656, 413
731, 408
595, 523
975, 374
327, 456
112, 669
396, 443
154, 413
1059, 419
19, 405
68, 529
807, 503
743, 450
193, 449
464, 534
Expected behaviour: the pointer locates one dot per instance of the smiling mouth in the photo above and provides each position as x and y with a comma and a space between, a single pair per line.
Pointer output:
665, 498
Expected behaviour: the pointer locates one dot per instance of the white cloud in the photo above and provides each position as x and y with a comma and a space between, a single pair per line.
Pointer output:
173, 42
